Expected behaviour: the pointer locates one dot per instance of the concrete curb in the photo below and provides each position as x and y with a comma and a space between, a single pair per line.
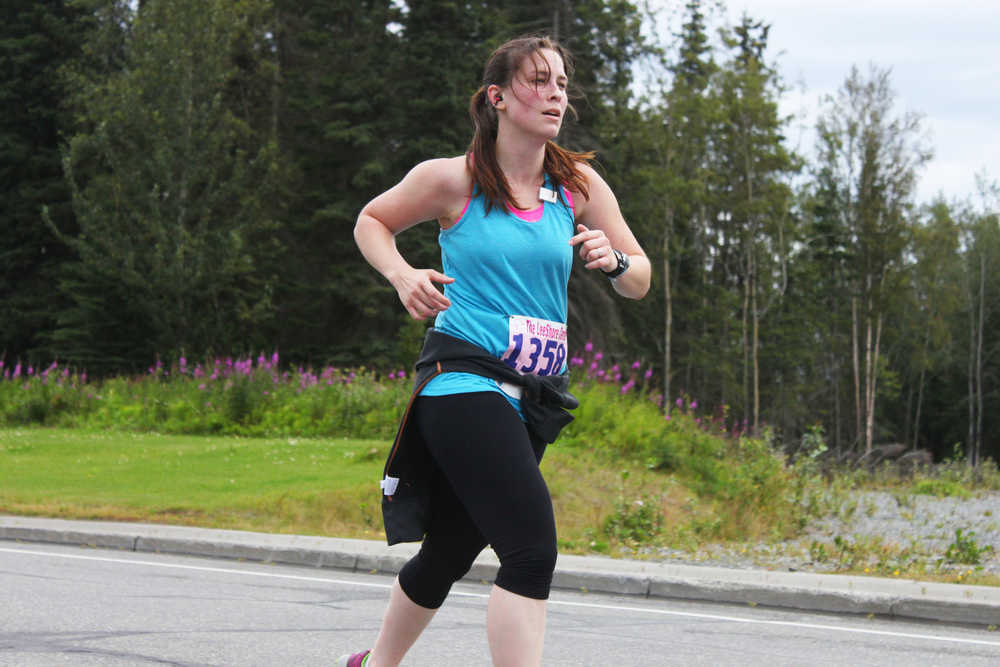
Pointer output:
953, 603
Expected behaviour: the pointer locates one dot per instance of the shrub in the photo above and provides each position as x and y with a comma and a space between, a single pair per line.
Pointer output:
942, 488
221, 396
964, 549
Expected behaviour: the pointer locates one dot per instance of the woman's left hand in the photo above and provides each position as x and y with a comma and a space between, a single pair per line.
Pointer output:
595, 249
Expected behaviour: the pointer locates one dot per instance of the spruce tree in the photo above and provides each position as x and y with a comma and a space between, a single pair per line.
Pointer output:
38, 39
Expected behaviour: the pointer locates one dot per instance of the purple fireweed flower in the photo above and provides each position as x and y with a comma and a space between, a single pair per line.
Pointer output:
636, 365
202, 386
150, 370
679, 402
593, 365
261, 359
618, 377
274, 358
627, 387
600, 373
31, 371
648, 374
402, 375
694, 405
589, 347
576, 361
183, 363
392, 375
6, 374
666, 417
83, 378
599, 356
17, 370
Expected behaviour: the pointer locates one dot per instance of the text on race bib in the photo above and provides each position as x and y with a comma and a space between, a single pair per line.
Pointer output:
535, 345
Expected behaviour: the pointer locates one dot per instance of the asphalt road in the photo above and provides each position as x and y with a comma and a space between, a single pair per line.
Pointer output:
80, 606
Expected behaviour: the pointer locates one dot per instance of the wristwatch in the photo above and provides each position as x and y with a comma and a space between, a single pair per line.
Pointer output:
622, 265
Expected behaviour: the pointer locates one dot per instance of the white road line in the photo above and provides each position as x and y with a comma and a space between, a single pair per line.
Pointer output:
562, 603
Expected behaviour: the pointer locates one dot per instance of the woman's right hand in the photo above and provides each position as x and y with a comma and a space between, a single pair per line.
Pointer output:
416, 289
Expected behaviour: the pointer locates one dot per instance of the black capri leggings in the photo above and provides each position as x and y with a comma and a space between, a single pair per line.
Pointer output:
489, 491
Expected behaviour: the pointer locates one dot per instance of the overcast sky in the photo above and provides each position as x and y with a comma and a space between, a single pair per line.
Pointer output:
945, 62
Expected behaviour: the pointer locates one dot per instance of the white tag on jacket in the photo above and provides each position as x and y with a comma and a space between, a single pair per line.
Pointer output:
389, 485
547, 195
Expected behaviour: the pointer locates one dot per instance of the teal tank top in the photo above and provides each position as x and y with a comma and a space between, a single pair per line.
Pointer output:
511, 270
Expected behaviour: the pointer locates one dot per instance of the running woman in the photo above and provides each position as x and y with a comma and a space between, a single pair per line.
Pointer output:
491, 380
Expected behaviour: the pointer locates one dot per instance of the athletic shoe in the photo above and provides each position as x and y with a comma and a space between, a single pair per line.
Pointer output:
354, 660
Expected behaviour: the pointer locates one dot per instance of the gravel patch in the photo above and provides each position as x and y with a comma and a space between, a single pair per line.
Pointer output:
911, 528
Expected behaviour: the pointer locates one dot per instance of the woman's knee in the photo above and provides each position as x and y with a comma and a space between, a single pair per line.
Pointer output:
427, 577
528, 570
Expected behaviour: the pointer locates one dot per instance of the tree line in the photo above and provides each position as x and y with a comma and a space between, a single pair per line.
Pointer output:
182, 177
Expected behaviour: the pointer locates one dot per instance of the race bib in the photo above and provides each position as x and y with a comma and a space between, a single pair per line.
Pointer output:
535, 346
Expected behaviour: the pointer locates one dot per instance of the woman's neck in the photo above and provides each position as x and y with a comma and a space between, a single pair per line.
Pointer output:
522, 162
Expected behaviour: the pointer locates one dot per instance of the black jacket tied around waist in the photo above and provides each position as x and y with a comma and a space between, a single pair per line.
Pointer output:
409, 469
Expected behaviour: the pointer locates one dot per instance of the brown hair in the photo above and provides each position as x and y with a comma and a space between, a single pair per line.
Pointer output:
560, 164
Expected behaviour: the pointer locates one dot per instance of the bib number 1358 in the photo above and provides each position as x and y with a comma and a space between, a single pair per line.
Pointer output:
535, 346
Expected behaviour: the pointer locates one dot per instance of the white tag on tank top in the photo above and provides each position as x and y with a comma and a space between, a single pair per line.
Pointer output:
547, 195
535, 345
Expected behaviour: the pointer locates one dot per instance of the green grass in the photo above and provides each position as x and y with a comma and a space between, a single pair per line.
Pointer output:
281, 484
312, 486
319, 486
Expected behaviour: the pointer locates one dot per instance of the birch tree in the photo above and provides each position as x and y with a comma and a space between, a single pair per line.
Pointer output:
982, 257
873, 156
752, 164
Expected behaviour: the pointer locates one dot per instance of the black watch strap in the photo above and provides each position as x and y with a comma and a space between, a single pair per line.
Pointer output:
622, 264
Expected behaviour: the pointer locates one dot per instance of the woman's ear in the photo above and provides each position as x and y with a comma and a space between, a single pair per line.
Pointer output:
494, 96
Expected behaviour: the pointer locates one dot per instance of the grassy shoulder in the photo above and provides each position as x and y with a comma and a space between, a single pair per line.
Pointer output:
293, 485
316, 486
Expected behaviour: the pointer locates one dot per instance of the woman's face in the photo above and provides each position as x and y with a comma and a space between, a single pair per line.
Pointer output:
536, 97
